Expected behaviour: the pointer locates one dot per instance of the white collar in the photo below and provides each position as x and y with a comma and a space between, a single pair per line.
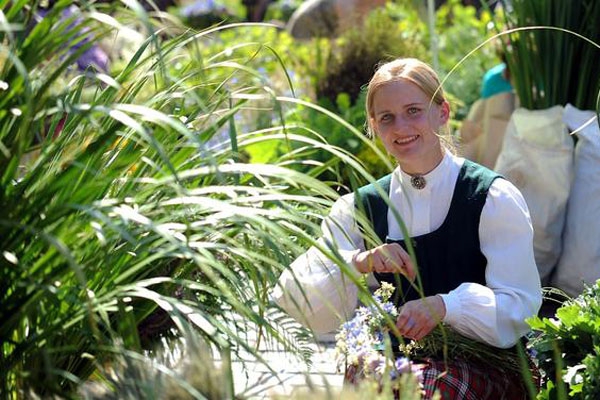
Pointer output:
431, 178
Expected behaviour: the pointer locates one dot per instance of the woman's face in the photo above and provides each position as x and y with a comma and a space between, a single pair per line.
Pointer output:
406, 122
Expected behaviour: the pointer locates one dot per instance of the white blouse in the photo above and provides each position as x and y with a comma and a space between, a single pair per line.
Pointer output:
316, 292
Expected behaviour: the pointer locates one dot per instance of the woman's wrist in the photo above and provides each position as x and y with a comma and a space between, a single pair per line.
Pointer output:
362, 262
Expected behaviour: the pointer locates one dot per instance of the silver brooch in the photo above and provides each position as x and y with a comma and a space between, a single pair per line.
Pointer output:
418, 182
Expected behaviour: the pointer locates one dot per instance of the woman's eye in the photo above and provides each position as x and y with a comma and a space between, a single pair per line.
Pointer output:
413, 111
386, 118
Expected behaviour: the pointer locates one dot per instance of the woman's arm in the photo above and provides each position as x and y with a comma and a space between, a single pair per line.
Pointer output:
314, 290
496, 313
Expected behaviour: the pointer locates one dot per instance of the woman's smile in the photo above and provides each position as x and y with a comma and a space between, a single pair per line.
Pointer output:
406, 140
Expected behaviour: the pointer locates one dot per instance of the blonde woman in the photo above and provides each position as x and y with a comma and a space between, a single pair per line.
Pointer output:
470, 228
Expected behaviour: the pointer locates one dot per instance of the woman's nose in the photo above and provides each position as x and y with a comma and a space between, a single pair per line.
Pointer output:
400, 123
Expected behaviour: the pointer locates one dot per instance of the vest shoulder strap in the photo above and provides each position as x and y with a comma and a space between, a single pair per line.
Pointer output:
369, 201
476, 178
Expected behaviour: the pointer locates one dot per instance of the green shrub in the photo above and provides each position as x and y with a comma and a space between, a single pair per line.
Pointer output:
282, 10
460, 30
134, 204
568, 348
553, 53
355, 54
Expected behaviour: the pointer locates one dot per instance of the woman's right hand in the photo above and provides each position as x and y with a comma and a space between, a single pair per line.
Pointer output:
387, 258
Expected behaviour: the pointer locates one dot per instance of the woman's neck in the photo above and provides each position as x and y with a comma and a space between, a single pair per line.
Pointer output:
423, 167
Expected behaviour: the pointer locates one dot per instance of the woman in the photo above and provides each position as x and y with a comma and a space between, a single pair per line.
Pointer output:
470, 229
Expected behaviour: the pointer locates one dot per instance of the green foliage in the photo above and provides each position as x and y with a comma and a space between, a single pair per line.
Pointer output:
282, 10
236, 7
212, 12
355, 55
445, 342
348, 137
179, 369
568, 347
553, 51
460, 30
134, 200
265, 49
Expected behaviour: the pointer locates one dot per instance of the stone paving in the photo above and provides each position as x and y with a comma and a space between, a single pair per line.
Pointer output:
255, 380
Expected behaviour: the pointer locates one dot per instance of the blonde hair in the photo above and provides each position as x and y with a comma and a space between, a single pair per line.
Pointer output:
411, 69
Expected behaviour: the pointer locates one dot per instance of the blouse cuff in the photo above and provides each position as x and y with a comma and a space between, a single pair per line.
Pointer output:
453, 308
348, 257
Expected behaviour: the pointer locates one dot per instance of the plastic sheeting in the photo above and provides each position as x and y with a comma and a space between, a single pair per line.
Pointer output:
537, 157
579, 262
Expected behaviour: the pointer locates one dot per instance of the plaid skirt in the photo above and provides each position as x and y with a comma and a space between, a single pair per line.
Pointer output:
463, 380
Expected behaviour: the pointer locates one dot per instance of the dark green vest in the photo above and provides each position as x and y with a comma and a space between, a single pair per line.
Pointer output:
451, 254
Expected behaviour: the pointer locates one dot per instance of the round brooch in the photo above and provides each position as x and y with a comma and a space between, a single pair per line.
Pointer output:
418, 182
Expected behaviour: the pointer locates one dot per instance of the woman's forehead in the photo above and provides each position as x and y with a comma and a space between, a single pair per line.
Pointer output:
400, 92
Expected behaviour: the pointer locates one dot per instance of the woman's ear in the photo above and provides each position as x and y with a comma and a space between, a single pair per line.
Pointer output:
444, 112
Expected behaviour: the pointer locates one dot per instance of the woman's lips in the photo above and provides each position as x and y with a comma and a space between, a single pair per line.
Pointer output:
405, 141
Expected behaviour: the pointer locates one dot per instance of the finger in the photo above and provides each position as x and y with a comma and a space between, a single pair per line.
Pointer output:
420, 329
416, 335
381, 263
389, 268
395, 264
411, 328
404, 321
386, 256
388, 262
392, 261
408, 268
402, 261
421, 333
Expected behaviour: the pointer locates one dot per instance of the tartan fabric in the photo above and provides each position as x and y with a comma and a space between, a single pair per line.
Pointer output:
461, 380
469, 381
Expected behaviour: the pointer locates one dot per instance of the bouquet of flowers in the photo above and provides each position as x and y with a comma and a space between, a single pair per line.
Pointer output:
361, 342
364, 344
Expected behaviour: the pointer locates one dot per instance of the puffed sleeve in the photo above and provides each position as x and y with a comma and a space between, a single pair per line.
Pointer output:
496, 313
314, 290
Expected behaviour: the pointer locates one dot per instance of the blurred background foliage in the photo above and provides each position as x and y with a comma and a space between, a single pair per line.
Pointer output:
332, 72
554, 30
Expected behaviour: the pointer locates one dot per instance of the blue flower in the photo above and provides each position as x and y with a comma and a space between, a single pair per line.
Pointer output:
401, 366
389, 308
362, 338
201, 7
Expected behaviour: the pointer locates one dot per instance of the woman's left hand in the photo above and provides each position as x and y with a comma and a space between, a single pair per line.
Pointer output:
418, 317
386, 258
